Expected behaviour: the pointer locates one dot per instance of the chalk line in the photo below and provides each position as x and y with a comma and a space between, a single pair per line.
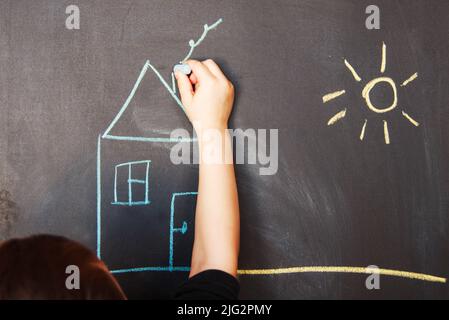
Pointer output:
413, 121
172, 227
194, 44
337, 117
128, 100
354, 73
99, 197
330, 96
362, 134
386, 133
412, 77
384, 58
333, 269
305, 269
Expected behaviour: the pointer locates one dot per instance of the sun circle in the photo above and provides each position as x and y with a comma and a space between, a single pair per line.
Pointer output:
370, 85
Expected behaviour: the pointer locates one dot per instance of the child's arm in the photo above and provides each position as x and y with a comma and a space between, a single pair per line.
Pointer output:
208, 97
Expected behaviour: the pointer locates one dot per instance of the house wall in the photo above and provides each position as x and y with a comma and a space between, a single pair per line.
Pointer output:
139, 236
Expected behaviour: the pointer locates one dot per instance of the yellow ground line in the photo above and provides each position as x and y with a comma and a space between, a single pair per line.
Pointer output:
331, 269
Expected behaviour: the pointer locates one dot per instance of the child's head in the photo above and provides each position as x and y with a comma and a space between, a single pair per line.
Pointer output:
35, 268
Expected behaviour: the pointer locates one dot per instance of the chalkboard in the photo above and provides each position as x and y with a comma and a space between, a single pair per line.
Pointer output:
362, 178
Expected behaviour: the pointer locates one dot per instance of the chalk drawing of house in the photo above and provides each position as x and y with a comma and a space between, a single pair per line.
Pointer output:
137, 228
140, 220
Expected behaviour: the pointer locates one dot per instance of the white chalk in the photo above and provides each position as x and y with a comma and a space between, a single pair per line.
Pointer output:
182, 67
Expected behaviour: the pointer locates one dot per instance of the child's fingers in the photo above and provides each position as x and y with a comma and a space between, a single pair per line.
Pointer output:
214, 68
193, 78
185, 88
201, 72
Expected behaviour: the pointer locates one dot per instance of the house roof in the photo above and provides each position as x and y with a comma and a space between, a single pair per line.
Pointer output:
171, 90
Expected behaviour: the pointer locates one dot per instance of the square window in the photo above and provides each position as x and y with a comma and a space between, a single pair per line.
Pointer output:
131, 183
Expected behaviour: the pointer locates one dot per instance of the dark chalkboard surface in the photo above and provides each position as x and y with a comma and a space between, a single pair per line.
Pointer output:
354, 187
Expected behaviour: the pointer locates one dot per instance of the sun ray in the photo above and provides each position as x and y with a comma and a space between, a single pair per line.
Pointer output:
330, 96
412, 77
354, 73
337, 117
362, 134
413, 121
386, 133
384, 58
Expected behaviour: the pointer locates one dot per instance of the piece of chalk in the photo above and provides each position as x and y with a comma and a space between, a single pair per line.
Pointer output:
182, 67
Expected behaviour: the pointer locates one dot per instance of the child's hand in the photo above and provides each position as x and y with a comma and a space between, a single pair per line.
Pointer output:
207, 95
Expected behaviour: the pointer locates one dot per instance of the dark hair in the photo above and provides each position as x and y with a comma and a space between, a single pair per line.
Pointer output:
35, 268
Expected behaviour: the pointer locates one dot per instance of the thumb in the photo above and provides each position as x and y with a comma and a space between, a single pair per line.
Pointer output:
185, 88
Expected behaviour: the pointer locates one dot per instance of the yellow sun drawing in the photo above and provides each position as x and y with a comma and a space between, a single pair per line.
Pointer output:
366, 95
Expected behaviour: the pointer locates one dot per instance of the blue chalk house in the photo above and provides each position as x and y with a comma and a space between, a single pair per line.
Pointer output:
127, 176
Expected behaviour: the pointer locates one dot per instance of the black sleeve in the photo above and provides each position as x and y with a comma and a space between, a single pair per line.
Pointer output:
209, 285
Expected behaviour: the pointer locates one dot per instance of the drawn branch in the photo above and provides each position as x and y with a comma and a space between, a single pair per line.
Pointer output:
194, 44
